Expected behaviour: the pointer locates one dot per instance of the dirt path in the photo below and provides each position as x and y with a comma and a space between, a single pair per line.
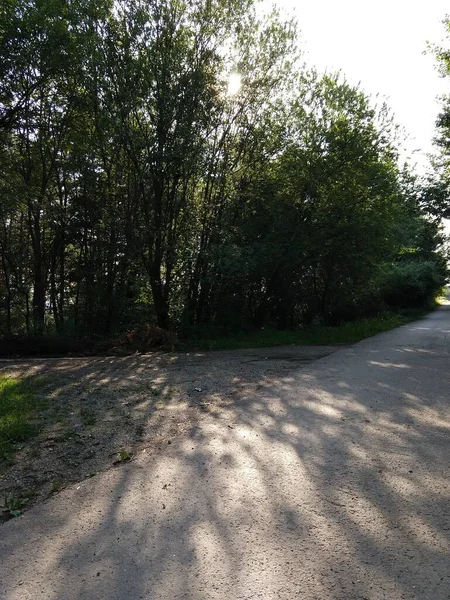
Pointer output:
330, 481
102, 409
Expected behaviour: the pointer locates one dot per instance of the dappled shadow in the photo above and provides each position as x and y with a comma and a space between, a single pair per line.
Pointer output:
325, 482
99, 406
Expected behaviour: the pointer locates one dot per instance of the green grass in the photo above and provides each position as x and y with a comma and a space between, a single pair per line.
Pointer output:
19, 403
322, 335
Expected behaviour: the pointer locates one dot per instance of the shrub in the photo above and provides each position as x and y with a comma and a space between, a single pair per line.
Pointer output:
411, 284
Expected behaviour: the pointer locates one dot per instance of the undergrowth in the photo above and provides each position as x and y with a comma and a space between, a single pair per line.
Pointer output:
319, 335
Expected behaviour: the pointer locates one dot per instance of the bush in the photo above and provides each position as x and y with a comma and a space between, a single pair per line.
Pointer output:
412, 284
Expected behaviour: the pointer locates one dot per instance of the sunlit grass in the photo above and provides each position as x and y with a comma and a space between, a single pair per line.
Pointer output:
19, 402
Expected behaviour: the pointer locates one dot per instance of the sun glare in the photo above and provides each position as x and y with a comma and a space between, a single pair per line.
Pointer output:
234, 84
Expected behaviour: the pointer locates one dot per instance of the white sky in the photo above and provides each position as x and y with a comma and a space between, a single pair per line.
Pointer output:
380, 45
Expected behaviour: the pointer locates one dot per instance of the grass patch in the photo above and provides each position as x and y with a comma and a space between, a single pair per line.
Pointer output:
348, 333
20, 401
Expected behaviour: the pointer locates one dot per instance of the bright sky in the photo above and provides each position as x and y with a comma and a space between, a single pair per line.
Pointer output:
381, 45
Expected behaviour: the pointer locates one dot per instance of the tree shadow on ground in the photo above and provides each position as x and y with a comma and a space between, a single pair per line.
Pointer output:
327, 482
100, 408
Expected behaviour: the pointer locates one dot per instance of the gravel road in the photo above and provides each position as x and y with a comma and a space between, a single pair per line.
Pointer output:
327, 481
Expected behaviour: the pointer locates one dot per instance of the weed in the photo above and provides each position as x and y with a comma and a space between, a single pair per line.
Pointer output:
57, 486
20, 402
123, 456
13, 505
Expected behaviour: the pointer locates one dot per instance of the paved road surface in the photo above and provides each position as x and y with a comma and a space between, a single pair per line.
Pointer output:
330, 483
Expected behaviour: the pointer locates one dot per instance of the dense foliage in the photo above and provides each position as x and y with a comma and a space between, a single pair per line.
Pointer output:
436, 192
136, 188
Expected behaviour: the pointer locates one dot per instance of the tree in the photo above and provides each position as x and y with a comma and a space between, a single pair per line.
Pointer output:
135, 188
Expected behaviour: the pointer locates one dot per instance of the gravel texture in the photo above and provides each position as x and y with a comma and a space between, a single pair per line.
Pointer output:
328, 480
102, 409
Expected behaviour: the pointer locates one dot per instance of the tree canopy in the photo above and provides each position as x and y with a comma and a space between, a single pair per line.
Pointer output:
135, 187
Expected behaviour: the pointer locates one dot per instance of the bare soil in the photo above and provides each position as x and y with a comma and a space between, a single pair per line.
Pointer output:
104, 411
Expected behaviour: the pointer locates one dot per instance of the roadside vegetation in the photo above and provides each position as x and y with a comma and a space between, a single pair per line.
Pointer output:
321, 335
20, 401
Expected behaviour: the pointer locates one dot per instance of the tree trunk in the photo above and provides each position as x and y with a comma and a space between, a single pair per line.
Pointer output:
39, 284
